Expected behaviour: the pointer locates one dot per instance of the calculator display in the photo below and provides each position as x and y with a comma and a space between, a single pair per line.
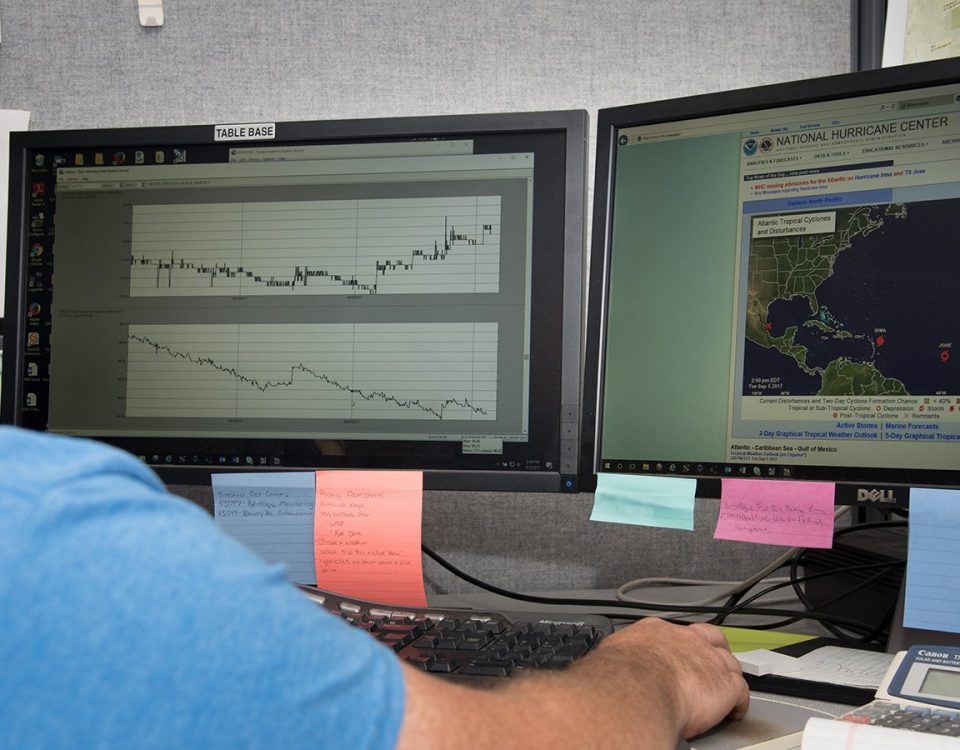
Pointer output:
944, 682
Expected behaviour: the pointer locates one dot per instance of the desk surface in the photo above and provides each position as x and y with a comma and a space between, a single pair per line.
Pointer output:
770, 716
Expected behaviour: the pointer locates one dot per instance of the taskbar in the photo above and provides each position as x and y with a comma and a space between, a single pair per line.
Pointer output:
854, 485
698, 469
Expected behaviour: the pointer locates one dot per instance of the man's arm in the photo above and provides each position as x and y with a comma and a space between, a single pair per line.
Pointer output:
642, 687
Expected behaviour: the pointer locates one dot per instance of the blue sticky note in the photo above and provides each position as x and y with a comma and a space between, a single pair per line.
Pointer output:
932, 599
272, 515
664, 502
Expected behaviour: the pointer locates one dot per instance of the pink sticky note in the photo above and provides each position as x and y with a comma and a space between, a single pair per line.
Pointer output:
366, 535
794, 514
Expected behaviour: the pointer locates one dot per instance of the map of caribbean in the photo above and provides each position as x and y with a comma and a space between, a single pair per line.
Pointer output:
868, 309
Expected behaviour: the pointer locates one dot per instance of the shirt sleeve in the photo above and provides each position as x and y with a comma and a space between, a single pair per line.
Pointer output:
130, 620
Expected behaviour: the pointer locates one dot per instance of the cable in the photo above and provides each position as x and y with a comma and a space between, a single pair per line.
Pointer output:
872, 630
735, 588
652, 606
804, 599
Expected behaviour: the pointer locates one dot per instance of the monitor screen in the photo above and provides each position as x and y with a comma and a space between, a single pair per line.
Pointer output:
397, 293
773, 285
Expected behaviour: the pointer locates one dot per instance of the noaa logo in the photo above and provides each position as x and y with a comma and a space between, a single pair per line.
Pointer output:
750, 147
766, 145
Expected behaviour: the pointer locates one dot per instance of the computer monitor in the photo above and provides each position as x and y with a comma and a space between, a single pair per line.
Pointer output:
387, 293
773, 285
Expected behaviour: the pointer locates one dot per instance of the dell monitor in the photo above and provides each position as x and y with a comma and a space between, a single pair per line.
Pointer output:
398, 293
773, 285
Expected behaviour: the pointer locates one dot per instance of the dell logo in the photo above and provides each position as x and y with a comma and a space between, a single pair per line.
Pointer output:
876, 496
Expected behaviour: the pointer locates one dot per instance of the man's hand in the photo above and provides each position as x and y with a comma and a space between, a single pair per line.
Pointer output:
691, 665
642, 687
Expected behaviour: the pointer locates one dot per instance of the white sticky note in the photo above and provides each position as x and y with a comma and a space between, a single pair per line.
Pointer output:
762, 661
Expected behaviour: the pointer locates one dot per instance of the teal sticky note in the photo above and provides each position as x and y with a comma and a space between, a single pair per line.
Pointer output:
664, 502
932, 599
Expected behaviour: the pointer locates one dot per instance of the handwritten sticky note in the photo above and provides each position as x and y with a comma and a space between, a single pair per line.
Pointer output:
794, 514
664, 502
366, 533
932, 599
272, 514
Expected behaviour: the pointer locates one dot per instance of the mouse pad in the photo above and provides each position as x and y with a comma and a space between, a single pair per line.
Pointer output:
768, 718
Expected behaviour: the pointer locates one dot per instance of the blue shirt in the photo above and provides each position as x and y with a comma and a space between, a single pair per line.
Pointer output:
128, 620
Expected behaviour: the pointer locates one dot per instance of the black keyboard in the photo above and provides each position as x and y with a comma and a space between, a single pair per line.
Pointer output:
470, 644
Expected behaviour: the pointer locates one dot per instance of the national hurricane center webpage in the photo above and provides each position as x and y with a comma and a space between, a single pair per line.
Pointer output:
842, 341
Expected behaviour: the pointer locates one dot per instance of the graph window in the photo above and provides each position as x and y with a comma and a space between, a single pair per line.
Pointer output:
379, 301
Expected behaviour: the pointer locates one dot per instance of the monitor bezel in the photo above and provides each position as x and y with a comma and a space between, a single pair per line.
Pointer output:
887, 488
573, 124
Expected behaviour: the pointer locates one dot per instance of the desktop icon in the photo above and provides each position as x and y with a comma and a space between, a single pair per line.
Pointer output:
33, 339
98, 159
159, 157
31, 400
38, 189
34, 309
59, 161
179, 156
36, 250
33, 370
40, 161
78, 160
138, 157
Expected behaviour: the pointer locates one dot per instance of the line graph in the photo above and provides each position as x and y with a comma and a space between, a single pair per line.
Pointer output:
349, 371
355, 247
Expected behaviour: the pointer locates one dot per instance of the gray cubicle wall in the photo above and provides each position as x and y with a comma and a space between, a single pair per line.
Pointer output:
88, 63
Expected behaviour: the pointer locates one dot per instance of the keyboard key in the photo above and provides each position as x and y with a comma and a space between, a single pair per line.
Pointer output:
395, 640
490, 668
443, 664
